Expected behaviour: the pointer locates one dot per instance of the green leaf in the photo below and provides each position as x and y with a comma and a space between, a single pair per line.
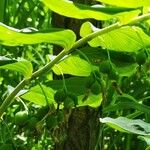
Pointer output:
73, 65
73, 84
75, 10
127, 3
40, 95
22, 66
14, 37
145, 138
124, 124
128, 39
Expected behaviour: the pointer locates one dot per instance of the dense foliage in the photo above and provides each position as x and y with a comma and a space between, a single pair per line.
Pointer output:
104, 66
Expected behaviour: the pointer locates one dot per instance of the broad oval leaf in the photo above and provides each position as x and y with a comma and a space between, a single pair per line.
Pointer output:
73, 65
80, 11
21, 65
40, 95
14, 37
127, 3
124, 124
128, 39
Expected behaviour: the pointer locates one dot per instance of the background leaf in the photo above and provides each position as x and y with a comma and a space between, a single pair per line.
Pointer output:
124, 62
126, 104
14, 37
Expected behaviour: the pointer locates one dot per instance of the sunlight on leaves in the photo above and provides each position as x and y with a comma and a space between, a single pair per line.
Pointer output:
73, 65
127, 39
15, 37
40, 96
127, 3
80, 11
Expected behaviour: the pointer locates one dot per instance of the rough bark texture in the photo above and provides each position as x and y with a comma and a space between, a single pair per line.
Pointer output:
82, 131
83, 125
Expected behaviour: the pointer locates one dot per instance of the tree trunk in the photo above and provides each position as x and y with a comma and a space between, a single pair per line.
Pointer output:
83, 130
83, 124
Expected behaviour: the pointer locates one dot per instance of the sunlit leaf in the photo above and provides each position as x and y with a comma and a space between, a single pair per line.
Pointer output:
40, 95
124, 124
14, 37
127, 3
129, 39
80, 11
73, 65
22, 66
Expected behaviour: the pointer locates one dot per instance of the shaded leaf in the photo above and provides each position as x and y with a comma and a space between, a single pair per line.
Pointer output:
124, 124
127, 105
76, 85
128, 39
73, 84
75, 10
15, 37
124, 62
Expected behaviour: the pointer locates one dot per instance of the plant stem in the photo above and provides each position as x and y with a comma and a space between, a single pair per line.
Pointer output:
11, 96
48, 66
129, 141
79, 43
89, 37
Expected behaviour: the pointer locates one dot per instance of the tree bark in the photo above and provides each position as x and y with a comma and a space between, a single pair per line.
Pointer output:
83, 125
